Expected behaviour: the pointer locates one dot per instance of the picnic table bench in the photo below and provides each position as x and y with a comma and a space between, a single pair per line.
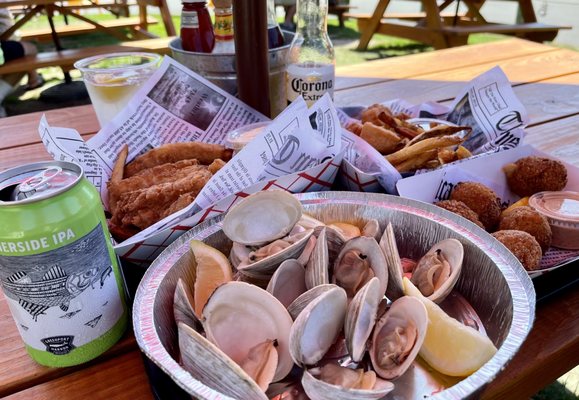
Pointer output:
66, 58
113, 26
444, 29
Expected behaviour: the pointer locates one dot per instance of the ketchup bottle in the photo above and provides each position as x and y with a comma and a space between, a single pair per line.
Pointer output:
196, 27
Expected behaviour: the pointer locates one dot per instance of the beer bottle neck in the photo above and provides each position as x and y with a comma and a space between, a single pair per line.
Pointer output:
312, 17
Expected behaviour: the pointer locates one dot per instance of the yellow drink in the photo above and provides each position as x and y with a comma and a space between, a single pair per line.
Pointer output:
113, 79
109, 100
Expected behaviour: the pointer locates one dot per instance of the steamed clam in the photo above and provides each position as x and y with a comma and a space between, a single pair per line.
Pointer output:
327, 293
435, 273
398, 336
239, 317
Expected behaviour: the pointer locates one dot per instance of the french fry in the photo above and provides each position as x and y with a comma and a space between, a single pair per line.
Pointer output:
355, 128
119, 167
421, 147
462, 152
419, 161
382, 139
439, 130
446, 156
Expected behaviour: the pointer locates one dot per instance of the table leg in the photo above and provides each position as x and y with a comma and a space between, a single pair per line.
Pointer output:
527, 11
27, 17
373, 25
435, 25
56, 39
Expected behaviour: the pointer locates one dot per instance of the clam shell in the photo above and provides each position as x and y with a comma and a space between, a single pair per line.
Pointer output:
206, 363
288, 282
317, 327
309, 222
395, 272
317, 267
298, 305
239, 316
183, 306
369, 248
360, 318
262, 217
400, 312
372, 229
265, 268
319, 390
453, 251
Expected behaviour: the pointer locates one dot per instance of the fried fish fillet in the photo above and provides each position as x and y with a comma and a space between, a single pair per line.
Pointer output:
144, 207
149, 177
169, 153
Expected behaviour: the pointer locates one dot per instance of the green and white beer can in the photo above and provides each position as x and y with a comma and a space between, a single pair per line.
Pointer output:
58, 269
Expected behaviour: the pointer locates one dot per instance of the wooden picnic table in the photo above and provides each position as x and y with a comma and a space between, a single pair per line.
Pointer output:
442, 29
545, 79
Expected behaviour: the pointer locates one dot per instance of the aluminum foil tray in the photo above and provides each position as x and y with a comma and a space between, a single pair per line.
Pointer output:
492, 281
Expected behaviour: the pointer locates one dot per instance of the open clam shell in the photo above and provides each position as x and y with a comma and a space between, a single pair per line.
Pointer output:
183, 306
317, 389
288, 282
317, 266
298, 305
205, 362
317, 326
265, 268
425, 274
398, 336
262, 217
360, 250
360, 318
238, 316
388, 245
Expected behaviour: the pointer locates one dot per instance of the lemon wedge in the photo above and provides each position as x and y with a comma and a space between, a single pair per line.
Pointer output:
522, 202
212, 269
450, 347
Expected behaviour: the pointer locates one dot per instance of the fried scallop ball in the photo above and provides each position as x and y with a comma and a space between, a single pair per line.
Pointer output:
528, 220
530, 175
458, 207
523, 246
482, 200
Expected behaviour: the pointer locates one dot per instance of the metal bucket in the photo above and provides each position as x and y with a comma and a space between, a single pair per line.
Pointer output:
220, 70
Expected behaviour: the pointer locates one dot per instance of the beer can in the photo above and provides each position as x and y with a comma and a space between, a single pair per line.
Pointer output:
58, 268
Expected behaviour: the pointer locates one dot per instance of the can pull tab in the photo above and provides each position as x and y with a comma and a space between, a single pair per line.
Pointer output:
38, 182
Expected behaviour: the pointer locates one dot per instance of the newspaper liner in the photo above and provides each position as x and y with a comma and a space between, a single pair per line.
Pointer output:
299, 151
436, 185
487, 104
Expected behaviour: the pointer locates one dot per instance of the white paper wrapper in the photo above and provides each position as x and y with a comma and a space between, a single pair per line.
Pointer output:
487, 104
299, 151
437, 185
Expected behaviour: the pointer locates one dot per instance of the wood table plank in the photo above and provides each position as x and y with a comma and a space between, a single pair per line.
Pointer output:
19, 371
541, 361
551, 138
122, 377
23, 129
443, 86
434, 61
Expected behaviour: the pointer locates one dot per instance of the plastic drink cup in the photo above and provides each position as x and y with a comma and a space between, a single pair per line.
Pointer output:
113, 79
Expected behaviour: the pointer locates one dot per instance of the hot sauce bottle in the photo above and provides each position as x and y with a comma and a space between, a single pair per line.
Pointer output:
196, 27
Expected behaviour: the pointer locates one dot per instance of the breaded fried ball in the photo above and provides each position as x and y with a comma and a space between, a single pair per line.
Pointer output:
528, 220
482, 200
523, 246
458, 207
530, 175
